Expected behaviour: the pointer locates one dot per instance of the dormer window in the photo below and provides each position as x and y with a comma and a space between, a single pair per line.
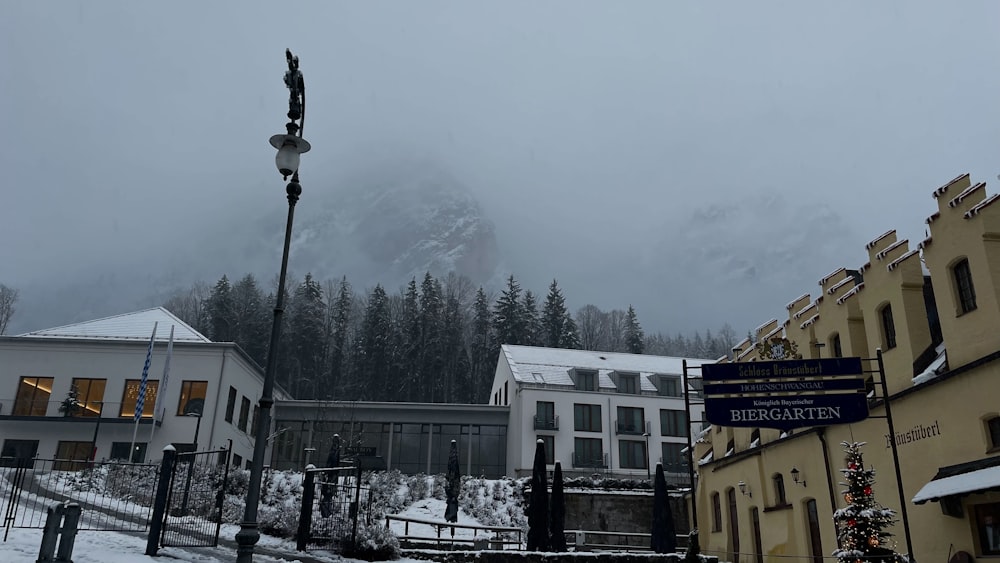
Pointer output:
669, 386
628, 383
585, 380
966, 292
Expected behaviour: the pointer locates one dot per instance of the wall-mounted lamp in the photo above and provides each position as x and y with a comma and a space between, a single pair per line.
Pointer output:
795, 477
745, 489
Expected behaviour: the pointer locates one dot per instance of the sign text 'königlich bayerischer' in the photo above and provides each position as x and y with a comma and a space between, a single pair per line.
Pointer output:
785, 394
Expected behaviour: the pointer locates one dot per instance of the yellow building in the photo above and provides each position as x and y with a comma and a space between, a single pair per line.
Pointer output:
934, 312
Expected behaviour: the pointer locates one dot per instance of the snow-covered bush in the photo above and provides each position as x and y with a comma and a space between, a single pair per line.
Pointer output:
374, 542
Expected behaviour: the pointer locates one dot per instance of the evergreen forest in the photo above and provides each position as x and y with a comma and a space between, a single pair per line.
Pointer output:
434, 340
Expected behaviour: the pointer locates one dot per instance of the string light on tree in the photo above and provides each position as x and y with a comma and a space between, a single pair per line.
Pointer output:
864, 523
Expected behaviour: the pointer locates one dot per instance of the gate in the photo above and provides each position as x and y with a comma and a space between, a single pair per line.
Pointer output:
330, 519
193, 515
114, 495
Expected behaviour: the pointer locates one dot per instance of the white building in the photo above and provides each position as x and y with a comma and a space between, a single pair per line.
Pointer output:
596, 411
212, 390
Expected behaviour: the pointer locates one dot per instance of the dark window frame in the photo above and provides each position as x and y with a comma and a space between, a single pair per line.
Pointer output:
231, 404
586, 380
716, 512
587, 417
186, 396
127, 409
628, 383
673, 422
633, 452
550, 448
631, 420
993, 432
888, 326
836, 346
32, 405
965, 290
780, 498
244, 414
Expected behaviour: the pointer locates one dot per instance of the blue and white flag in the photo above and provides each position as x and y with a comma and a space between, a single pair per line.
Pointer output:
140, 401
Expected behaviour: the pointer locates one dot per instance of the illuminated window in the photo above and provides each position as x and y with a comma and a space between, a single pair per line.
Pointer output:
90, 395
131, 396
192, 397
33, 395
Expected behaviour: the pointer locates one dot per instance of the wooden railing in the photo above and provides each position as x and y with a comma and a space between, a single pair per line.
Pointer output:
497, 536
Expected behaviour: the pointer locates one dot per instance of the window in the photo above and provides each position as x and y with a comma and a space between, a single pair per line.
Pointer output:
119, 450
888, 328
550, 449
669, 387
193, 398
589, 452
988, 526
993, 428
90, 396
16, 450
231, 405
587, 418
131, 397
244, 414
674, 458
631, 421
33, 395
586, 380
545, 416
632, 454
628, 383
835, 346
505, 385
779, 490
716, 513
237, 461
963, 285
73, 456
673, 423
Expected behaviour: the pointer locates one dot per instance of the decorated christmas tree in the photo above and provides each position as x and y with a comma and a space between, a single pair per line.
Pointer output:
863, 523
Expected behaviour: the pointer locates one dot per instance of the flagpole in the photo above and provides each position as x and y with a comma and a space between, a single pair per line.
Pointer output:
140, 400
160, 412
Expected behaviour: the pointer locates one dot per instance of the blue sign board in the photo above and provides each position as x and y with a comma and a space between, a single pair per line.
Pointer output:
785, 394
788, 412
781, 369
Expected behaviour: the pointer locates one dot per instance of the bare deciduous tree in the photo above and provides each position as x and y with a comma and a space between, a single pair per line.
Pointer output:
8, 297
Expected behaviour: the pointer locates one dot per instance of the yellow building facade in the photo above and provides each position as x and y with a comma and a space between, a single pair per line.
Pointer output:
933, 309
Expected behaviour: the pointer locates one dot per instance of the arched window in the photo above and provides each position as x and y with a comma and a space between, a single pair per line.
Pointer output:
835, 347
963, 286
888, 327
779, 490
716, 513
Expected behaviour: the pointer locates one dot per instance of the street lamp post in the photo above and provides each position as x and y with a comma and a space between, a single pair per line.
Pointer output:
290, 146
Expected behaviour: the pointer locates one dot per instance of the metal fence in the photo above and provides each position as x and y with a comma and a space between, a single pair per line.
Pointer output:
114, 495
330, 518
193, 516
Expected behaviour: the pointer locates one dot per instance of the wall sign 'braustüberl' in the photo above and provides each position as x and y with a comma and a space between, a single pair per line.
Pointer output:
785, 394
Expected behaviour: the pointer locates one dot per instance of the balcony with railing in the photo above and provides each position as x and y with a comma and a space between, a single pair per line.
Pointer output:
44, 410
632, 427
546, 422
588, 460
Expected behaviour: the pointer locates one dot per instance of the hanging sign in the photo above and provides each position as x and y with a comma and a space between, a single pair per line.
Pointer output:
785, 394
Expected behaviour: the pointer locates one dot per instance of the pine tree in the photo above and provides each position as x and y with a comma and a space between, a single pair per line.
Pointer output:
508, 316
307, 332
533, 332
251, 319
340, 325
484, 350
408, 345
554, 317
431, 339
863, 523
71, 404
569, 338
219, 310
634, 339
373, 357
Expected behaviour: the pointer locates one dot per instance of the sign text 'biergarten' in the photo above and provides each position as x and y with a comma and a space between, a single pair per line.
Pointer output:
785, 394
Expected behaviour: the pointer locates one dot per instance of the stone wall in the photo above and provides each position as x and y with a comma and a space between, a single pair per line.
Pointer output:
618, 511
536, 557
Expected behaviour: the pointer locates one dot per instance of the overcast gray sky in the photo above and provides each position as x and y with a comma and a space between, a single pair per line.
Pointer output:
597, 135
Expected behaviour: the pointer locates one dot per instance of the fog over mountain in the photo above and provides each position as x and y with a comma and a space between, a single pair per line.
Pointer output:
705, 163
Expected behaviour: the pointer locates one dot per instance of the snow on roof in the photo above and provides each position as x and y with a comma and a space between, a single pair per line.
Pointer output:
829, 276
803, 310
763, 326
979, 206
833, 289
875, 241
128, 326
811, 320
554, 365
940, 191
966, 193
796, 300
963, 483
935, 367
854, 291
892, 265
885, 251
